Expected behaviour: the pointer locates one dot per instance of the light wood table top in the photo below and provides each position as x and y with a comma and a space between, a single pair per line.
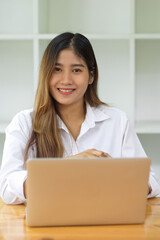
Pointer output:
13, 226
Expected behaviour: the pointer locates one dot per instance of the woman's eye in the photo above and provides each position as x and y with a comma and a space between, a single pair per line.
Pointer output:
76, 70
57, 69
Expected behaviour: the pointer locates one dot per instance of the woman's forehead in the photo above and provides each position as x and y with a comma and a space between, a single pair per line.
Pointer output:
69, 56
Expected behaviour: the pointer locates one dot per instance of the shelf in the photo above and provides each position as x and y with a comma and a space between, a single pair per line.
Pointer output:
81, 16
16, 36
51, 36
16, 17
16, 81
89, 36
147, 36
148, 127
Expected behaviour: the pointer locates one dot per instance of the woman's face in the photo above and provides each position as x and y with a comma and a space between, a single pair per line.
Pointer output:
70, 79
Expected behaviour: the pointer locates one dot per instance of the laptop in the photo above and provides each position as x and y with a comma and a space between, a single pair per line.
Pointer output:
88, 191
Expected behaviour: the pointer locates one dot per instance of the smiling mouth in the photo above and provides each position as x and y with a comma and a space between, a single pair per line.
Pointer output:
65, 90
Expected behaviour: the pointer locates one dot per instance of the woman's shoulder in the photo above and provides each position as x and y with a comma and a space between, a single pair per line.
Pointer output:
112, 112
24, 115
22, 120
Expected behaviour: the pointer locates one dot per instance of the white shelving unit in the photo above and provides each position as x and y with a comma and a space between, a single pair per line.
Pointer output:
125, 35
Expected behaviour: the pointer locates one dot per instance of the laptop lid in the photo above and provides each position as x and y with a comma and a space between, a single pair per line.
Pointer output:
87, 191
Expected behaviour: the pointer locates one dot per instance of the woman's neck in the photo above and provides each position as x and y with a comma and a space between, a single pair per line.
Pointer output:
73, 116
73, 112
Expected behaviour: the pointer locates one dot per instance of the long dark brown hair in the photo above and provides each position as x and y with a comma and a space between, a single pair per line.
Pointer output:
45, 134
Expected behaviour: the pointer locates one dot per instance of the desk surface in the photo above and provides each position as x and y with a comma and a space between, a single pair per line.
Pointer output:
13, 226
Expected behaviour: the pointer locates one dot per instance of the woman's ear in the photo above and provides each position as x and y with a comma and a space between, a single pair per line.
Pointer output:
91, 78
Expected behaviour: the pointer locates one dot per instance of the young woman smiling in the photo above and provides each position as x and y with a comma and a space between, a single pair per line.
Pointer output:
68, 118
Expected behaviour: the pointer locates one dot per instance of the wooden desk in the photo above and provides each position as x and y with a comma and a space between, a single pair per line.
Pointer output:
13, 226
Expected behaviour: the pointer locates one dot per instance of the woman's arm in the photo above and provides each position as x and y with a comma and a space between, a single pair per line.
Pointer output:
131, 147
13, 172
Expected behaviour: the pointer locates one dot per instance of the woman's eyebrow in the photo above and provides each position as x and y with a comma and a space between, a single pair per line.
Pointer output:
58, 64
77, 65
72, 65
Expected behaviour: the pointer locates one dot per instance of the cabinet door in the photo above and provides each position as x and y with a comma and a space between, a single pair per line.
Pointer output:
84, 16
115, 87
16, 16
16, 77
147, 16
147, 80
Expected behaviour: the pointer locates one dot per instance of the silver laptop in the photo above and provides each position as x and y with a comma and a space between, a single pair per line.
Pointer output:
91, 191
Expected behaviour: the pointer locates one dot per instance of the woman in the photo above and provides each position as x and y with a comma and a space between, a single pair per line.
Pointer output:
68, 118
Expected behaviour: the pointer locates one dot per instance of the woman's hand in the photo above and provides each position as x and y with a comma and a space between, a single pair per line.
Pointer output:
90, 153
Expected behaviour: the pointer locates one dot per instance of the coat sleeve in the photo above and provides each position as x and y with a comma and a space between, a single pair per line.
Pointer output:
131, 147
13, 172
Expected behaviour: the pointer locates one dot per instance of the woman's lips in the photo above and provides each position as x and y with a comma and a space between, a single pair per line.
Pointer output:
66, 91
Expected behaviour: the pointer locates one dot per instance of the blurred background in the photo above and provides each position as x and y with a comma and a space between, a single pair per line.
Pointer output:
125, 35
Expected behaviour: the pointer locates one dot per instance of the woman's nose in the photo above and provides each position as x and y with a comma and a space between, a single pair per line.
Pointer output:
66, 78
